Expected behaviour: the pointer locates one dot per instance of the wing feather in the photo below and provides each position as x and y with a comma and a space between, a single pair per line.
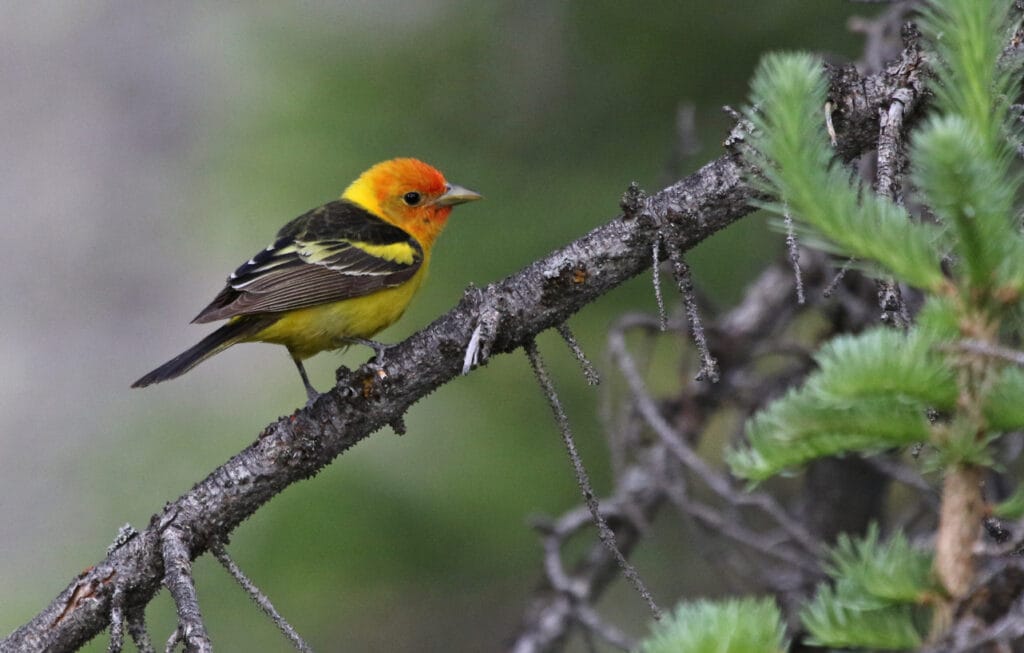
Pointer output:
338, 251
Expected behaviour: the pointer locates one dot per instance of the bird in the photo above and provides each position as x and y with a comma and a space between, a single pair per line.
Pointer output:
335, 275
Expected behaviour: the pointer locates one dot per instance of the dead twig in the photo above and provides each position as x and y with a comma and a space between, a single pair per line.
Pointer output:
259, 598
583, 479
178, 579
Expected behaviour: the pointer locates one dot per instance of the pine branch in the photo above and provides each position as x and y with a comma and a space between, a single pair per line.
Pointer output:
539, 297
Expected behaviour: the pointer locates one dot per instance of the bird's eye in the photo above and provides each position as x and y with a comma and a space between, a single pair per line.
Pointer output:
412, 198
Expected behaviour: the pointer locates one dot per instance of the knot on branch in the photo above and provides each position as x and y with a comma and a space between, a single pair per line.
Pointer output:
634, 202
568, 276
735, 142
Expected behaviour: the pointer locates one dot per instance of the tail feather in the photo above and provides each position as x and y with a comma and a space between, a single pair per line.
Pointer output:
229, 334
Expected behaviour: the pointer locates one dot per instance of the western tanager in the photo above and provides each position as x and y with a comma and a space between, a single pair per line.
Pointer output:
335, 275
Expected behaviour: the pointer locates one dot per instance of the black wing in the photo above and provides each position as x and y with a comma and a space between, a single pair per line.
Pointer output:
334, 252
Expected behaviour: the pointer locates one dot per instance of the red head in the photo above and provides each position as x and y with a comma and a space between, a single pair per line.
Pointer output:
409, 194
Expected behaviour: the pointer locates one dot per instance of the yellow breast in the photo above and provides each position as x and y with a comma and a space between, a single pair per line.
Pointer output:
308, 331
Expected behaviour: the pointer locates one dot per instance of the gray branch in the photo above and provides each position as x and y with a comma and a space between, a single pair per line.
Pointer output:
179, 582
514, 310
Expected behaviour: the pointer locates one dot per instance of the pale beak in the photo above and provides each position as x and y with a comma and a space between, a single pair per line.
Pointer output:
456, 194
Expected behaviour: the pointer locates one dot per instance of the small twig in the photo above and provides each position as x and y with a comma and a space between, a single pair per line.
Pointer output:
592, 621
836, 280
173, 641
178, 580
681, 271
678, 447
793, 247
552, 613
906, 476
716, 521
887, 184
889, 169
582, 479
656, 278
554, 569
558, 532
137, 629
116, 620
988, 349
882, 42
258, 597
589, 372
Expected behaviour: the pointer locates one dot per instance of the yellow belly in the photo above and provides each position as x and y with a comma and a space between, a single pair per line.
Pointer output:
308, 331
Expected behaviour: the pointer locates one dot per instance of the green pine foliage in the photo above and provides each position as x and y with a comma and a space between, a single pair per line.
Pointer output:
966, 38
1004, 406
871, 392
876, 598
884, 362
1012, 507
874, 391
892, 571
974, 196
803, 426
963, 155
938, 319
736, 626
837, 621
791, 149
884, 389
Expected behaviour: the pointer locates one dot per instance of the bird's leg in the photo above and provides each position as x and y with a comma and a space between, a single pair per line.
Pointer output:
311, 392
378, 349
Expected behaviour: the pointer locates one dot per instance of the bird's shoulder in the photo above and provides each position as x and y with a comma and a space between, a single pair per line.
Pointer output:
339, 235
341, 219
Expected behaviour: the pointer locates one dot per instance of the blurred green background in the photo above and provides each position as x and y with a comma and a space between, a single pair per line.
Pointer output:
149, 148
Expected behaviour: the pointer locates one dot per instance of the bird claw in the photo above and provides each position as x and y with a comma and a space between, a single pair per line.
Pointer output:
379, 349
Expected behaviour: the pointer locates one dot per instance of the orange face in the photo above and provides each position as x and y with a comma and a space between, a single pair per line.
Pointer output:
410, 194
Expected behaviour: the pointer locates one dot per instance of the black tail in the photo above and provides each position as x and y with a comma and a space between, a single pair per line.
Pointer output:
229, 334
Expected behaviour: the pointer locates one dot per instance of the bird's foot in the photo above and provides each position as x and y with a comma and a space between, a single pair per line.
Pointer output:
311, 395
379, 349
375, 365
